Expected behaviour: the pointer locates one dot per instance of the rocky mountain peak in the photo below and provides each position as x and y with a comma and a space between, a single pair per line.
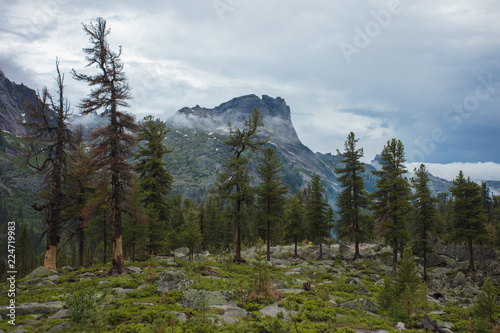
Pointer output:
12, 98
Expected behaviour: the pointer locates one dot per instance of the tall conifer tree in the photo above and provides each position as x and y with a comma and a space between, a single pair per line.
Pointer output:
155, 181
391, 199
318, 226
271, 192
234, 183
352, 199
425, 218
295, 220
112, 143
469, 217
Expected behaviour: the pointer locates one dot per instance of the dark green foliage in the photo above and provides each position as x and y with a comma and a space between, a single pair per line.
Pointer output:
318, 227
233, 184
295, 220
155, 182
391, 199
406, 295
85, 302
352, 199
469, 218
191, 234
271, 193
485, 306
425, 215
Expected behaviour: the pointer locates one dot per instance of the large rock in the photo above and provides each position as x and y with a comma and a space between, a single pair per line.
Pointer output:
39, 272
460, 252
362, 304
34, 308
273, 311
172, 280
193, 298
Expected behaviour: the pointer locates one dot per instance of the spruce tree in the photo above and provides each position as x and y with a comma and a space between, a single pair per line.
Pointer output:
233, 184
485, 306
469, 218
271, 192
191, 232
425, 217
155, 181
295, 220
112, 143
317, 220
352, 199
391, 198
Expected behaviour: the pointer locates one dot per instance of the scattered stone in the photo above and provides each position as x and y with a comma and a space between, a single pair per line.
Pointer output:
40, 271
362, 304
19, 330
60, 314
235, 311
45, 283
193, 298
273, 311
459, 280
31, 308
122, 291
429, 324
62, 327
172, 280
400, 326
87, 276
278, 284
181, 316
134, 269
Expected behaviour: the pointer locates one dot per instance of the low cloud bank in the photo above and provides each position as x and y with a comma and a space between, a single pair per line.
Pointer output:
476, 171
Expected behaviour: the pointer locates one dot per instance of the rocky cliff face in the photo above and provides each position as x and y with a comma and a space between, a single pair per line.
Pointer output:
277, 126
12, 98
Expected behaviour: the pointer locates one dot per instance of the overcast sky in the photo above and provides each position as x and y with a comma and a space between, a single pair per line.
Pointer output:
425, 72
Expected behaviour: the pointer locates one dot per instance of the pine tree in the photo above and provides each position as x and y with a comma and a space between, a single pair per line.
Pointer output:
191, 233
425, 214
469, 218
352, 199
485, 306
391, 199
112, 143
316, 207
271, 192
48, 138
234, 183
295, 220
155, 181
77, 189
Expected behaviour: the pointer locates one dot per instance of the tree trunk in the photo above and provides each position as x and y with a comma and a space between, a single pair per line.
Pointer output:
133, 249
295, 254
471, 256
49, 260
268, 240
81, 245
394, 258
425, 263
237, 256
320, 251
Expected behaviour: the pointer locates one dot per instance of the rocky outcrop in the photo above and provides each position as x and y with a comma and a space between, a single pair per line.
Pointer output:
172, 280
12, 98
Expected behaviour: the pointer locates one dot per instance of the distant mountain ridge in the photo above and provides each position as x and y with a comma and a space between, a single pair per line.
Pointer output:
198, 124
198, 133
12, 98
